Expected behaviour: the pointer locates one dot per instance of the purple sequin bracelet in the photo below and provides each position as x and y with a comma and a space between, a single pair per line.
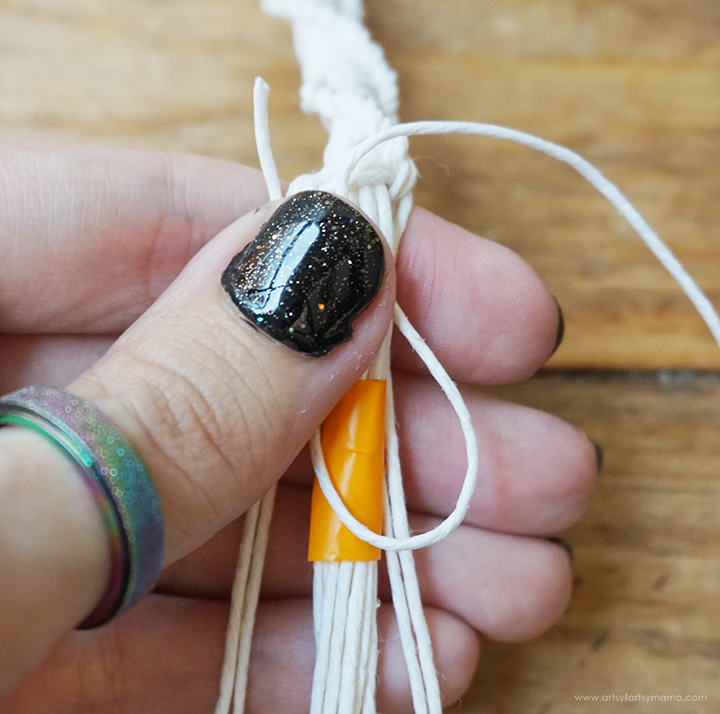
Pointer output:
118, 480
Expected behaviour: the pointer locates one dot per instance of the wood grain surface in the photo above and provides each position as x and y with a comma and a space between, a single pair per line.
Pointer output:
633, 85
645, 614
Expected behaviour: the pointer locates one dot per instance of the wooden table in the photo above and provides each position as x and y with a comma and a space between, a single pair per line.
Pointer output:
632, 85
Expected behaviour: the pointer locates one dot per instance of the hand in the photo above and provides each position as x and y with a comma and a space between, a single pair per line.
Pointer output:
98, 241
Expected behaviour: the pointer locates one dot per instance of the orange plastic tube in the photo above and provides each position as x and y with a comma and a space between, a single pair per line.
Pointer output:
353, 442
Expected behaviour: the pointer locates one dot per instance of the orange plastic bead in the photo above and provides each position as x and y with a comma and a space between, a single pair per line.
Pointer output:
353, 443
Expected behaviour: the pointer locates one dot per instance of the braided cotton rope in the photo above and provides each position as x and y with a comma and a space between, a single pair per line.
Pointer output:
349, 84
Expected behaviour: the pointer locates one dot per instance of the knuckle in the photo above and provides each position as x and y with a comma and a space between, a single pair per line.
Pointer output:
195, 417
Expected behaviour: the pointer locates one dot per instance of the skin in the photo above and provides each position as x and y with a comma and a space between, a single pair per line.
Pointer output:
109, 285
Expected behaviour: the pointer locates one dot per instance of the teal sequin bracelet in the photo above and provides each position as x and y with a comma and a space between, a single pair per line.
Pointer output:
118, 480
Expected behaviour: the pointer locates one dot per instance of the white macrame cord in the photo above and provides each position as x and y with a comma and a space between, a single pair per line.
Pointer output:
604, 186
354, 91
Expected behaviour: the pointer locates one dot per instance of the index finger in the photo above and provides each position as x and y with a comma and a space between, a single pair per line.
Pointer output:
91, 235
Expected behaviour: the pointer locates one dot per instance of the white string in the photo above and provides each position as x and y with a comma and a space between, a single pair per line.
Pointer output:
348, 83
595, 177
246, 587
261, 90
346, 637
243, 606
237, 607
607, 189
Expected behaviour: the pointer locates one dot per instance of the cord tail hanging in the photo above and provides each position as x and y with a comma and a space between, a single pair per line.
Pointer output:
256, 531
261, 91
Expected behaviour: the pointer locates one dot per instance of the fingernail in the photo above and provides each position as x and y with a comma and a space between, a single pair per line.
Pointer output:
564, 545
313, 268
600, 454
561, 328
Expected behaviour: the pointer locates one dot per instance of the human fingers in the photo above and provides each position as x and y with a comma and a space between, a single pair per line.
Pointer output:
537, 472
508, 588
215, 406
98, 232
167, 656
516, 588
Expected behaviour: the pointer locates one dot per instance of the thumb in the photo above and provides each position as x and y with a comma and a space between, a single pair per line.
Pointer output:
220, 384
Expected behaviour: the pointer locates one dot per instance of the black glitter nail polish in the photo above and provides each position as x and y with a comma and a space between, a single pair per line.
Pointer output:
313, 268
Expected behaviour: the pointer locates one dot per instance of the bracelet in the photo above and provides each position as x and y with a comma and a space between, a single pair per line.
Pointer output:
118, 480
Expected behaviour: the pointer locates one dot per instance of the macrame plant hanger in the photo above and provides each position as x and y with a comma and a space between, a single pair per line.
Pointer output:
348, 83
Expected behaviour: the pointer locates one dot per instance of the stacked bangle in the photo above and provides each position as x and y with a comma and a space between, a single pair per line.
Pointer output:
117, 479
